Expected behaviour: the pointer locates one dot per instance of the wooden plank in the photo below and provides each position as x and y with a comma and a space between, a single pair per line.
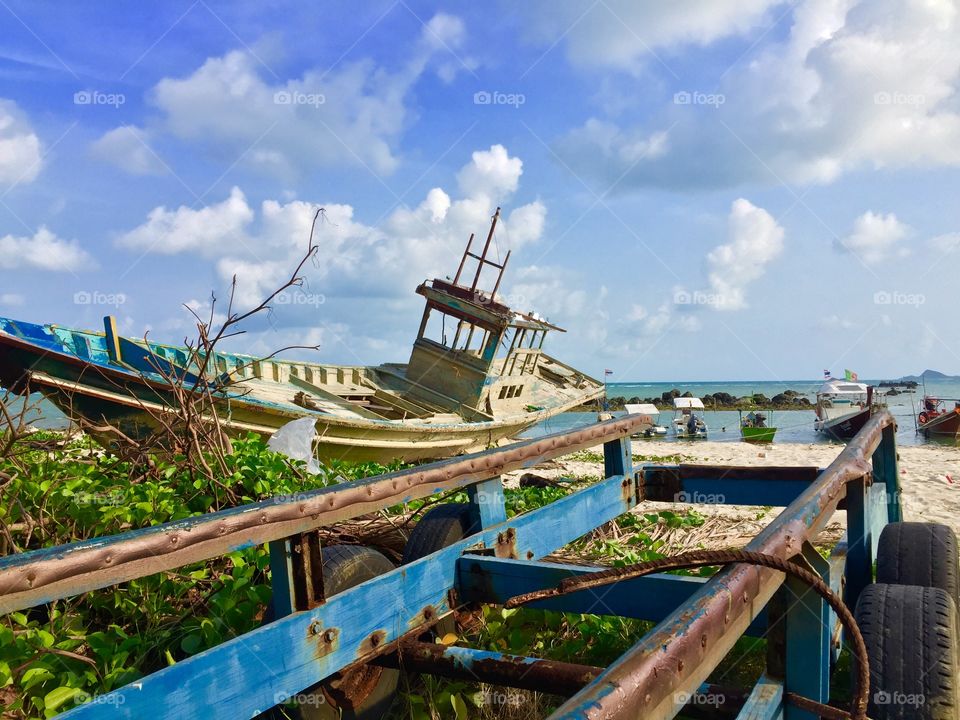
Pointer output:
765, 701
245, 675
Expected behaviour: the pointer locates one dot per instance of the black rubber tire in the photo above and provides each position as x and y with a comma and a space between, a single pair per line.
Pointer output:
440, 527
345, 566
911, 637
925, 554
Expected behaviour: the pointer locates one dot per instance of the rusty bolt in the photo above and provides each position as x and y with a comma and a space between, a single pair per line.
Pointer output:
314, 628
703, 640
329, 636
374, 640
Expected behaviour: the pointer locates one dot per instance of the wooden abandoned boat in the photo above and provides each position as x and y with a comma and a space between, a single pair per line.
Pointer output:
935, 419
477, 374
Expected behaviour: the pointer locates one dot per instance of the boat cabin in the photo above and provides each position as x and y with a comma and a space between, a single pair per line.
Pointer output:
473, 348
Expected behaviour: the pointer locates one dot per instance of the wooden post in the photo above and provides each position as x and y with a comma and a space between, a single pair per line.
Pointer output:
487, 505
113, 340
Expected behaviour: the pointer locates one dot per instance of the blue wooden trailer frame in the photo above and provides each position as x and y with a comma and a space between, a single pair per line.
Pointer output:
378, 621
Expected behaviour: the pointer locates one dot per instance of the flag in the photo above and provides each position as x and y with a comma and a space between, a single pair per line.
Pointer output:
608, 372
826, 375
850, 376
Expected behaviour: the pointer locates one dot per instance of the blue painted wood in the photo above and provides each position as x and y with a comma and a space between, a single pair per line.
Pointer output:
246, 675
765, 701
887, 474
838, 566
281, 577
492, 580
617, 458
860, 542
741, 492
486, 502
808, 621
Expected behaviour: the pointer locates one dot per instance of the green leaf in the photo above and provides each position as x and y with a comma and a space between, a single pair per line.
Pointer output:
55, 698
459, 707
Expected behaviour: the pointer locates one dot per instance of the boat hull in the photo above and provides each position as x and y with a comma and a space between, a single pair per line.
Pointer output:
757, 435
944, 425
845, 426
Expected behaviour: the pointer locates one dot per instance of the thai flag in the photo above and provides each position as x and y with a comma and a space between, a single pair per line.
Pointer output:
608, 372
826, 375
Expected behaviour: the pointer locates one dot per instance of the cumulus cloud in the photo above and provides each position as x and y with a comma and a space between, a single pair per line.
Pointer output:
356, 259
20, 148
43, 250
755, 240
947, 243
876, 237
11, 299
352, 114
625, 33
855, 84
127, 148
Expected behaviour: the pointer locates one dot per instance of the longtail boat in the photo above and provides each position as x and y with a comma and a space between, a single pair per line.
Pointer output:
935, 419
754, 428
843, 408
477, 374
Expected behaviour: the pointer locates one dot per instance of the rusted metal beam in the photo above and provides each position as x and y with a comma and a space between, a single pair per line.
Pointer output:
652, 678
43, 575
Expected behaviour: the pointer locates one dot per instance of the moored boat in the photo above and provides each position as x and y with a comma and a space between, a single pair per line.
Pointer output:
843, 408
754, 428
686, 422
477, 374
653, 412
938, 419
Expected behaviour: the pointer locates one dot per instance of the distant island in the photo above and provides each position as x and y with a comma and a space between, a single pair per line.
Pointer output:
929, 375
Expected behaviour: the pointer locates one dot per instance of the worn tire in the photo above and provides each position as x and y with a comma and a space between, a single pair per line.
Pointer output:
345, 566
925, 554
911, 636
440, 527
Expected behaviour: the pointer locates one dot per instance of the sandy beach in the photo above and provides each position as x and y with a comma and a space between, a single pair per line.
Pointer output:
929, 477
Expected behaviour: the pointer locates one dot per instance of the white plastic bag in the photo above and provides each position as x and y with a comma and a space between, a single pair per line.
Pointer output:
295, 440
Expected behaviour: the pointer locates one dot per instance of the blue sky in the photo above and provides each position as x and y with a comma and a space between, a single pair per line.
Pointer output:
696, 190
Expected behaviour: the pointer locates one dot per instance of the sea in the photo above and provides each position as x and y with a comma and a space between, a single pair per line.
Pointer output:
794, 426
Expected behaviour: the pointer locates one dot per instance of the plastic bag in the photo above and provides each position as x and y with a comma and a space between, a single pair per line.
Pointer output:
295, 440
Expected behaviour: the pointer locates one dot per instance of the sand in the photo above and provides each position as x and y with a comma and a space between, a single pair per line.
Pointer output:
929, 478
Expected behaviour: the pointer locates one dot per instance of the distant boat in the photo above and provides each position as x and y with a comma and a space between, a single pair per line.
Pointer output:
477, 374
686, 422
843, 408
754, 428
656, 429
937, 420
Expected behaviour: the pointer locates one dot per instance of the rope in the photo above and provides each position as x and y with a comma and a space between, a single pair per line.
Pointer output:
704, 558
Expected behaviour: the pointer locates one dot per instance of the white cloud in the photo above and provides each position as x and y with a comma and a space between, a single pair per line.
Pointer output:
755, 240
947, 243
44, 250
351, 114
625, 33
355, 259
127, 148
11, 299
876, 237
835, 322
209, 230
20, 148
855, 84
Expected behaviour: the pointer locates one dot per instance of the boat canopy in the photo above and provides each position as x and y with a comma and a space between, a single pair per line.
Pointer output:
688, 402
840, 387
641, 409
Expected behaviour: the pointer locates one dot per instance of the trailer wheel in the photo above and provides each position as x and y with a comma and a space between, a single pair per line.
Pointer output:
367, 692
440, 527
925, 554
912, 639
